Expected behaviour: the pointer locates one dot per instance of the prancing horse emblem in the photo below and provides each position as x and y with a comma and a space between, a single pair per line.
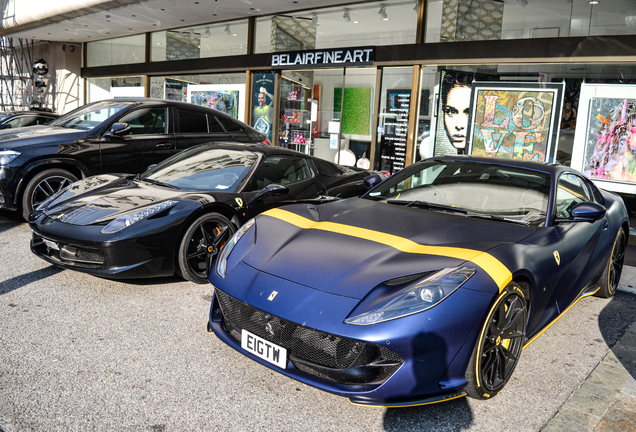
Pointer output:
272, 295
557, 257
239, 201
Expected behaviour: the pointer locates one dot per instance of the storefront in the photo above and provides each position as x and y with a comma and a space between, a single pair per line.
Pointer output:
384, 84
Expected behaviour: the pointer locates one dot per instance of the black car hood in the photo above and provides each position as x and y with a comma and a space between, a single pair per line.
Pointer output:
357, 244
102, 198
14, 139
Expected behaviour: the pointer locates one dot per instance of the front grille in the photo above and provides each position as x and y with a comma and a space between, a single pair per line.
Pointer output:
90, 255
316, 352
71, 255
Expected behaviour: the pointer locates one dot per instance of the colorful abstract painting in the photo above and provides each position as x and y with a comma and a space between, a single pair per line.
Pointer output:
514, 122
221, 100
610, 142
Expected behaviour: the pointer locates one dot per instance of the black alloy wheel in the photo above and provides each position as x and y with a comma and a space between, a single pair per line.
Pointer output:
608, 284
499, 346
200, 244
42, 186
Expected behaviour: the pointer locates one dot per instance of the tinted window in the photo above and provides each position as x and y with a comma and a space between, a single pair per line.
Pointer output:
279, 169
146, 121
328, 169
571, 191
203, 169
43, 120
229, 124
214, 125
191, 121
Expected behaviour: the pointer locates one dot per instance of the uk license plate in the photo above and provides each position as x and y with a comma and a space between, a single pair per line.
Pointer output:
264, 349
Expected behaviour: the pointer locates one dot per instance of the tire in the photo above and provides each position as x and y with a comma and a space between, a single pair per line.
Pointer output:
201, 244
495, 357
608, 283
42, 186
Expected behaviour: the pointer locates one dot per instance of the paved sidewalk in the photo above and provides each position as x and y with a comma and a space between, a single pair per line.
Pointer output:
606, 401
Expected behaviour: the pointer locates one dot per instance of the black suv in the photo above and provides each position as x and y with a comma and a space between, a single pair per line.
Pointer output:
116, 135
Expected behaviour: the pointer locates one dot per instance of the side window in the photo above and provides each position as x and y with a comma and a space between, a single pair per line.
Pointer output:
230, 125
17, 122
43, 120
328, 169
146, 121
191, 121
571, 191
279, 169
213, 124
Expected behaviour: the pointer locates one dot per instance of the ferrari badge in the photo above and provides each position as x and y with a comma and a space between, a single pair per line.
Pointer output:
272, 295
557, 257
239, 201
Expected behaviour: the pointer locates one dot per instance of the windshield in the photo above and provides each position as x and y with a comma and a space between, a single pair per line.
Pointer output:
481, 189
89, 116
203, 169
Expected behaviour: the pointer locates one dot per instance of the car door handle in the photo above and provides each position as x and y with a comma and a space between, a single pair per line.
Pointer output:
164, 146
605, 224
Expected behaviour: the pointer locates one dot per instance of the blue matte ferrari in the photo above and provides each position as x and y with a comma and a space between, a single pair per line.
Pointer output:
425, 289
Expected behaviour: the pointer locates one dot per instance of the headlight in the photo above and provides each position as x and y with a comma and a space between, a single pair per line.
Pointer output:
124, 221
221, 261
7, 156
57, 195
418, 297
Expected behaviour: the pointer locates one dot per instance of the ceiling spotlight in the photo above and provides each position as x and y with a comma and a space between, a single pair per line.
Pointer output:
356, 22
314, 20
522, 3
346, 16
594, 2
382, 13
228, 31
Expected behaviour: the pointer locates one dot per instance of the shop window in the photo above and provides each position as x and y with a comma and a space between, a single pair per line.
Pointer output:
118, 87
203, 41
465, 20
222, 92
124, 50
342, 26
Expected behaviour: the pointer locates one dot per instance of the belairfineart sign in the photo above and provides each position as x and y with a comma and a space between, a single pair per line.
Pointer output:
324, 57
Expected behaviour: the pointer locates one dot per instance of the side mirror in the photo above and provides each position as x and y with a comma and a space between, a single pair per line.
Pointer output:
372, 180
270, 190
118, 129
588, 212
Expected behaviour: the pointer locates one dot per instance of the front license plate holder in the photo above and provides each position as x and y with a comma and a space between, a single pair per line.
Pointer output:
264, 349
51, 244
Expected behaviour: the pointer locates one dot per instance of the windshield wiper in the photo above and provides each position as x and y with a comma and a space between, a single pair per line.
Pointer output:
158, 183
498, 218
428, 205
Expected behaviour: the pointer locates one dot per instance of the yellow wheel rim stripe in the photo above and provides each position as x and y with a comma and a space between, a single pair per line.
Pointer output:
495, 269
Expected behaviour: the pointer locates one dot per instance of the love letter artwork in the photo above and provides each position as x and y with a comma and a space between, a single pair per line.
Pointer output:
515, 122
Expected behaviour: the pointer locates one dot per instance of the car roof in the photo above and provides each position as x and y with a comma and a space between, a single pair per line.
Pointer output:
548, 168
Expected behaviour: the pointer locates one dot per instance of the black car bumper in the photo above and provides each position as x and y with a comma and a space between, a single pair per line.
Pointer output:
127, 257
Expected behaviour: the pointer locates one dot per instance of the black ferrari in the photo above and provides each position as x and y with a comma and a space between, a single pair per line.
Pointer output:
176, 216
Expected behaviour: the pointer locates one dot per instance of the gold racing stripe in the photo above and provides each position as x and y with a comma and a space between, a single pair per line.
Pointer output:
495, 269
